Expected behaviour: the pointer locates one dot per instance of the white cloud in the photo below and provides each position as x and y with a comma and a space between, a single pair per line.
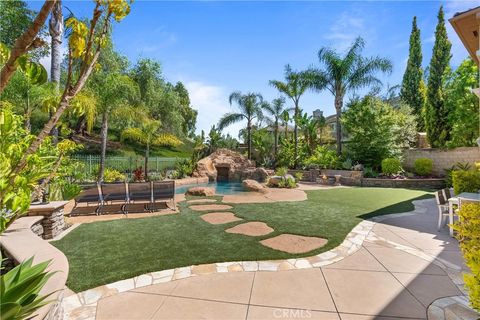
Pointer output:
211, 101
341, 34
163, 39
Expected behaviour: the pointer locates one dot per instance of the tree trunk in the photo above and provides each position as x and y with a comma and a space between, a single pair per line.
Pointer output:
249, 139
338, 108
147, 153
103, 153
56, 33
27, 41
295, 136
80, 126
276, 139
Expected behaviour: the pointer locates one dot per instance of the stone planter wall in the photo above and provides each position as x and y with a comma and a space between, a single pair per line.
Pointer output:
442, 159
53, 222
404, 183
20, 243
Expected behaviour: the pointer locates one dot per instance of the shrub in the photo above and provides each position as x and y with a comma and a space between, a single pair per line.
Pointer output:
423, 166
466, 181
138, 174
369, 173
282, 171
112, 175
21, 290
468, 234
391, 166
298, 176
324, 158
288, 183
184, 168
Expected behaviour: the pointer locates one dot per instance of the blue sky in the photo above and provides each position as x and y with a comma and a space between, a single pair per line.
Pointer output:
217, 47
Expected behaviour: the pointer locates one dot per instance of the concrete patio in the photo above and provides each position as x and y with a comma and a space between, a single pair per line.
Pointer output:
402, 266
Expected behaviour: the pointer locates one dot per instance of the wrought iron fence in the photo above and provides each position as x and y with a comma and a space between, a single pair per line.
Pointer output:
125, 164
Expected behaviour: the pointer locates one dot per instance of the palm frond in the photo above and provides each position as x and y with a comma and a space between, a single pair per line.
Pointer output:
229, 119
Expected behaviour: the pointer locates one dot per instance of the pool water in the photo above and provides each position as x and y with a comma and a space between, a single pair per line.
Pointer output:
223, 188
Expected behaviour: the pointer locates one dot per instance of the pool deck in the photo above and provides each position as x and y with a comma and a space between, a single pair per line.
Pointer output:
389, 267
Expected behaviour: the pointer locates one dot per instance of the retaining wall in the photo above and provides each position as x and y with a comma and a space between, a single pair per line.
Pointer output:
20, 243
442, 159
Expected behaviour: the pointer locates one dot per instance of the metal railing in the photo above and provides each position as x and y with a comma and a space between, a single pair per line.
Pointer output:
125, 164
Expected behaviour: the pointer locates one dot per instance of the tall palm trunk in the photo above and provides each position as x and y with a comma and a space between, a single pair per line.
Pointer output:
249, 138
147, 154
275, 146
338, 108
295, 135
56, 33
103, 153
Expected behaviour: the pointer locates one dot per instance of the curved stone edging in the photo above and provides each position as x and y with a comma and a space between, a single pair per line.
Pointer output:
21, 243
83, 305
455, 307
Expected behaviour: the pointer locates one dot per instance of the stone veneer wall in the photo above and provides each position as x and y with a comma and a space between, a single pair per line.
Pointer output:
53, 222
404, 183
442, 159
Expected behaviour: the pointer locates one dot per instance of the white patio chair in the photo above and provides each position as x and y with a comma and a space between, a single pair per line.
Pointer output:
442, 205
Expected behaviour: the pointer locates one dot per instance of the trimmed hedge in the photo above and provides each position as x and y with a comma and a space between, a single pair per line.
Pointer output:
468, 234
391, 166
466, 181
423, 166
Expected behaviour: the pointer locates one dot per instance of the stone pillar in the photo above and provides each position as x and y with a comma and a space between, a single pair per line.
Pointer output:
314, 173
53, 217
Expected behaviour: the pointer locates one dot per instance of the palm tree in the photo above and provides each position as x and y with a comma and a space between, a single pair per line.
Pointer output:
294, 87
250, 106
147, 134
349, 72
285, 120
276, 110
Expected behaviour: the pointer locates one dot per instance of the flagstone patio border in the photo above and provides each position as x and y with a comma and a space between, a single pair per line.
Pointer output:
83, 305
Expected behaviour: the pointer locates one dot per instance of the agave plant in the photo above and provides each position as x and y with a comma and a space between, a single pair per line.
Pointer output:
20, 290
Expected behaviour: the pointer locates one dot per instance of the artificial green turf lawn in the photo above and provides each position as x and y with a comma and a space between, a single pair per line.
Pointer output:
105, 252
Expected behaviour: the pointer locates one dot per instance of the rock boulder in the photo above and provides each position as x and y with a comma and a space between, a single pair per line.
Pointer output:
253, 185
201, 191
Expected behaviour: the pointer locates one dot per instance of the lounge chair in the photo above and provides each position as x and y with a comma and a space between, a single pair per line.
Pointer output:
102, 196
162, 191
138, 194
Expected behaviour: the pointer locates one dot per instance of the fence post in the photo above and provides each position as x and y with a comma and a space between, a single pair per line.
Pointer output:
130, 160
90, 165
156, 163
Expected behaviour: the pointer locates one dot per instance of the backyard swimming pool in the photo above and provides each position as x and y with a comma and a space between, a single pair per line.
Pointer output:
224, 188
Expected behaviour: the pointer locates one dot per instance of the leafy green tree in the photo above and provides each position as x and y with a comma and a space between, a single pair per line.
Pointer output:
250, 107
436, 112
343, 74
413, 88
188, 113
463, 105
15, 18
310, 128
285, 116
377, 130
295, 85
276, 110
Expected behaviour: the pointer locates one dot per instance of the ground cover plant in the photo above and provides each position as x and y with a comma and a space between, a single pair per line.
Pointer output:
105, 252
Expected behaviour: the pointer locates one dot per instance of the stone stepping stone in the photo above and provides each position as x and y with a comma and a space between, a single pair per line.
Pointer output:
210, 207
201, 201
220, 217
292, 243
253, 229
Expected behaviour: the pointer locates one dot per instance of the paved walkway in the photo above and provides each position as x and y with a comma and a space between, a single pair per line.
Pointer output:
387, 278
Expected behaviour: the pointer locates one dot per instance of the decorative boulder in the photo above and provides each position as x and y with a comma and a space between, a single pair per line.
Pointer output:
253, 185
201, 191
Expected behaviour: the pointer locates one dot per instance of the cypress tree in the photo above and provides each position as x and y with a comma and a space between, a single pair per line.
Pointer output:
413, 88
436, 113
